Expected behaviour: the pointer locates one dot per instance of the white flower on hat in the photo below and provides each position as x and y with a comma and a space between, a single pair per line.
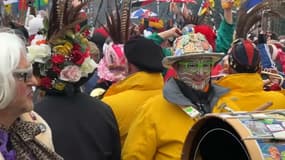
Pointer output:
87, 67
38, 53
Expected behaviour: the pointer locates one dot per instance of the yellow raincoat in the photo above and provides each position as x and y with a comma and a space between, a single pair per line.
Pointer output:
161, 127
158, 133
126, 97
246, 93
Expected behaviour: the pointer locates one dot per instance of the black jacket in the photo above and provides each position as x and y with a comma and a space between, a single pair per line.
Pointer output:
83, 128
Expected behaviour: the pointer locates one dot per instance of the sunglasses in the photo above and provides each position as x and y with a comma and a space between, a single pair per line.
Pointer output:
23, 74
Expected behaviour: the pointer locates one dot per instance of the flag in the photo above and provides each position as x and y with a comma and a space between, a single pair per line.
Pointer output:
250, 3
205, 6
6, 2
22, 5
40, 4
8, 8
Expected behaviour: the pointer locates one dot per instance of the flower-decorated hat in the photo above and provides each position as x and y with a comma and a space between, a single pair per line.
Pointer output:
61, 58
189, 46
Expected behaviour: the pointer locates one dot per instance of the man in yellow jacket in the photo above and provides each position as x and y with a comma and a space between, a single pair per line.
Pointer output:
144, 80
245, 83
161, 127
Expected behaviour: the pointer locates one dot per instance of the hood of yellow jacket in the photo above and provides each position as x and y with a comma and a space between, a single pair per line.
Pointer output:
242, 81
137, 81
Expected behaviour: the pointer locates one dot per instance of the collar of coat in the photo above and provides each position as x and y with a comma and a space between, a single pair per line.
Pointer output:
173, 94
242, 82
137, 81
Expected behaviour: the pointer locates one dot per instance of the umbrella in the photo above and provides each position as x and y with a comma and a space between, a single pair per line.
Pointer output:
142, 13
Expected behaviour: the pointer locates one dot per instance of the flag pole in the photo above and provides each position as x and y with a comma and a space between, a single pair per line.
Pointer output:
157, 7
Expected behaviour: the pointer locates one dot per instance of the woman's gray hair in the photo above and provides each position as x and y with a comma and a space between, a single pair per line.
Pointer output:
10, 54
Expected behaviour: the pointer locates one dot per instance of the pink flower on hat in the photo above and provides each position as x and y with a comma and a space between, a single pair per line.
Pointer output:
70, 73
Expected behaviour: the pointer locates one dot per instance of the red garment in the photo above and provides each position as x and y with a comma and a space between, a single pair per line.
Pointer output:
102, 31
169, 74
281, 59
31, 37
217, 70
208, 32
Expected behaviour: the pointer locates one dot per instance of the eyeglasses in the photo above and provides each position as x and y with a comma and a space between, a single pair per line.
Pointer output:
23, 74
196, 65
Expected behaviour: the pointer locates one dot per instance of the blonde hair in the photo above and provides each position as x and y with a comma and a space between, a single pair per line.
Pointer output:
10, 53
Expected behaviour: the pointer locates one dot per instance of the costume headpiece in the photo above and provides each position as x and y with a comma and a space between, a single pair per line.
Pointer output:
244, 57
189, 46
62, 58
113, 66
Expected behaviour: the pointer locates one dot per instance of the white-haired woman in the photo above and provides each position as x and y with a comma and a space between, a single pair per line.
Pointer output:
20, 137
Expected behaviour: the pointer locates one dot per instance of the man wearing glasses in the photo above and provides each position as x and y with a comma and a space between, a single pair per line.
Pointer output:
161, 128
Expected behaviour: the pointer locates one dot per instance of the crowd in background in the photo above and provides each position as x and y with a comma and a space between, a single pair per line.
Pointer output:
125, 90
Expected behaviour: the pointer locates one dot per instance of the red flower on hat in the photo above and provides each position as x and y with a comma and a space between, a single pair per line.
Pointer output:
45, 82
76, 46
77, 57
86, 33
57, 59
56, 69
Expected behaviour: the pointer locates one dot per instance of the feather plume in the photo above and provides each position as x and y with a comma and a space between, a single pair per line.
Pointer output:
63, 16
53, 22
60, 10
125, 20
72, 13
193, 19
118, 23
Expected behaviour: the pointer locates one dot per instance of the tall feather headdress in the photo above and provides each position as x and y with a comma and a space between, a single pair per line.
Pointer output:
113, 66
118, 22
63, 16
62, 57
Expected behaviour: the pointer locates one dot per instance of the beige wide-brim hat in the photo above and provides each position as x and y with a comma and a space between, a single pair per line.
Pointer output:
191, 46
170, 60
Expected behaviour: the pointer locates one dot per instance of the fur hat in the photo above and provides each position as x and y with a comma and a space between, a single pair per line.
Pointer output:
191, 45
144, 54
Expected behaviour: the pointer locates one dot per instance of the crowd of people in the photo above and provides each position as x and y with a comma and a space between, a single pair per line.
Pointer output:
116, 93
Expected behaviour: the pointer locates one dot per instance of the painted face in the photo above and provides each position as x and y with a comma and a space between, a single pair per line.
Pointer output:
24, 80
195, 73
